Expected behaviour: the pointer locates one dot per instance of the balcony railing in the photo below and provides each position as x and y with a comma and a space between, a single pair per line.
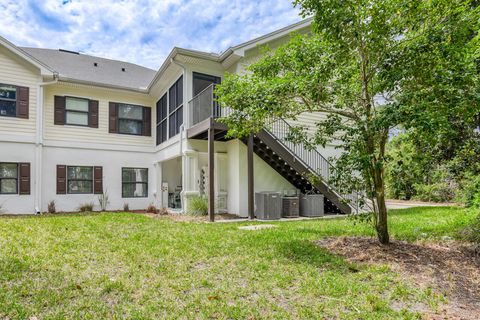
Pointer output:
204, 106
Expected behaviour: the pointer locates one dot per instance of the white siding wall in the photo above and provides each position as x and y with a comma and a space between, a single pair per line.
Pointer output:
19, 152
15, 71
98, 135
112, 163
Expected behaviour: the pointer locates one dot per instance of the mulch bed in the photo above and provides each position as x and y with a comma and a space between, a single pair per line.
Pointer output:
449, 267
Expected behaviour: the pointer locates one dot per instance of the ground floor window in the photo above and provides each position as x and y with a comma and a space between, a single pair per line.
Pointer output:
80, 179
134, 182
8, 178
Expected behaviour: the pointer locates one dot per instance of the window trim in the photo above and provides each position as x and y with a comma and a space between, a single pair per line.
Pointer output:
174, 111
11, 100
163, 120
120, 104
77, 112
68, 180
16, 179
136, 182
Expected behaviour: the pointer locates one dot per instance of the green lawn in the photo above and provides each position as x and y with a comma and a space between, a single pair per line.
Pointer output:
130, 266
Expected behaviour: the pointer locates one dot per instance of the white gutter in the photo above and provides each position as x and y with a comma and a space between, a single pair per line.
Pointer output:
182, 130
39, 143
185, 107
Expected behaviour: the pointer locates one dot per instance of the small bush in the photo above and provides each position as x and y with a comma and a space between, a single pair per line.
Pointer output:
86, 207
103, 200
469, 193
436, 192
51, 207
472, 233
126, 207
163, 211
198, 206
152, 209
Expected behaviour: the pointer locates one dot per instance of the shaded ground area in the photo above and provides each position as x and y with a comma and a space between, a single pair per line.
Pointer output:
404, 204
130, 266
451, 268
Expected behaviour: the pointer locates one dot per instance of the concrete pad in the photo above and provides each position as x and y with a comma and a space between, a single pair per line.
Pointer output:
257, 227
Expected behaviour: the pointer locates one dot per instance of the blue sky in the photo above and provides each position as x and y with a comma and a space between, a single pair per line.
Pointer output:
140, 31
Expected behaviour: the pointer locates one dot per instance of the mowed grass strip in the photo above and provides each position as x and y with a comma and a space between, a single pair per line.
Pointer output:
121, 265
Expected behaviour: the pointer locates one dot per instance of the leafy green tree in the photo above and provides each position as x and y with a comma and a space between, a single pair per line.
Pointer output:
369, 66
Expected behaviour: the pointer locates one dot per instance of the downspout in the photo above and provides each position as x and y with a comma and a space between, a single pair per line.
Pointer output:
182, 130
39, 143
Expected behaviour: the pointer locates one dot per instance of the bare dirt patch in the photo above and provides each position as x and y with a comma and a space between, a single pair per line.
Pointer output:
452, 268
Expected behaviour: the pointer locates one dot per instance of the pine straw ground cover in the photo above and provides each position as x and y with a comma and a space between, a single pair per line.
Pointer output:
123, 265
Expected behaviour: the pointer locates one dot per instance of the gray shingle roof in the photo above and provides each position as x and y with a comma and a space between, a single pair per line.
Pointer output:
81, 67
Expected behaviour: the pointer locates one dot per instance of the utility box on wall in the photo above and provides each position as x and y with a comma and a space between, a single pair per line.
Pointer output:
268, 205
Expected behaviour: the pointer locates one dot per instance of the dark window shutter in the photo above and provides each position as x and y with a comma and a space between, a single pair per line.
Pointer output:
93, 113
147, 121
98, 180
24, 174
61, 179
112, 117
59, 117
22, 102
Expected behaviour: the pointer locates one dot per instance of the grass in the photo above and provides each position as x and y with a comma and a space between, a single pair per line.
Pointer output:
119, 265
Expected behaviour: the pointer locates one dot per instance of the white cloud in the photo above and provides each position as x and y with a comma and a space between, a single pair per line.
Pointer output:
140, 31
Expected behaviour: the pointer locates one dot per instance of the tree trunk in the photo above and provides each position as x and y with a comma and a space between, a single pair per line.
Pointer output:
382, 224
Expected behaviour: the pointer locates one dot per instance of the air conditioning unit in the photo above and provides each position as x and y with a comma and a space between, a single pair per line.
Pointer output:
311, 205
268, 205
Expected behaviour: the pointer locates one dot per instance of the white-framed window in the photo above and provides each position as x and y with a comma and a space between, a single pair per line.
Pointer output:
76, 111
8, 100
130, 119
8, 178
134, 182
79, 180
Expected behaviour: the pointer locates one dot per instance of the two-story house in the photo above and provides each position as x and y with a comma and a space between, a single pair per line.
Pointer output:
73, 126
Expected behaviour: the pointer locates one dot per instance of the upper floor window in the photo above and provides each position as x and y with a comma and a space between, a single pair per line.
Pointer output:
14, 101
130, 119
76, 111
162, 114
175, 107
8, 101
8, 178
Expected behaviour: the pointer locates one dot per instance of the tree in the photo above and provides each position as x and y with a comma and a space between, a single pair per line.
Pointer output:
369, 66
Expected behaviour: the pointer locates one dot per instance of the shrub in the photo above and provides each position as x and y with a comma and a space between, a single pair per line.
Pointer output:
469, 193
103, 200
86, 207
163, 211
126, 207
51, 207
472, 232
436, 192
152, 209
198, 205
